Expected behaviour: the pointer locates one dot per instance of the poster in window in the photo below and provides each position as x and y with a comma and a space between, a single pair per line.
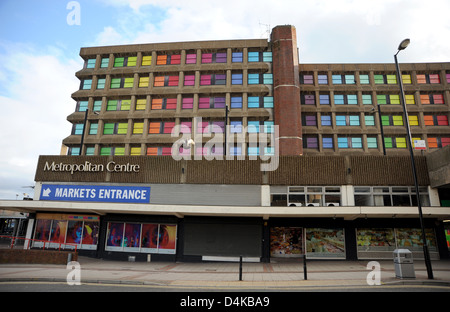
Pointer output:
132, 238
41, 232
114, 236
150, 238
412, 239
286, 241
74, 232
167, 238
83, 233
58, 231
90, 234
375, 239
325, 243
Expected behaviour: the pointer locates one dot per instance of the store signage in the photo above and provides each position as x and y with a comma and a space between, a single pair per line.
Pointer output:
90, 167
96, 193
420, 145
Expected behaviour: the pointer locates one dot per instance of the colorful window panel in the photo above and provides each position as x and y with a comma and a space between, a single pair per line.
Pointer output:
77, 129
432, 98
118, 105
86, 84
107, 151
165, 103
235, 126
428, 79
138, 128
93, 128
189, 80
309, 120
308, 99
166, 81
322, 79
236, 102
218, 57
349, 142
162, 127
324, 99
117, 83
129, 61
435, 120
135, 151
144, 82
340, 99
327, 142
159, 151
146, 60
395, 142
325, 120
372, 142
307, 79
211, 102
101, 83
187, 103
364, 79
237, 57
105, 62
211, 127
369, 120
438, 142
311, 142
236, 79
173, 59
141, 104
82, 106
213, 79
191, 58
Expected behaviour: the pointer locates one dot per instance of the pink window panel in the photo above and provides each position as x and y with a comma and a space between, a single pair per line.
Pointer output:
434, 78
188, 103
189, 80
217, 150
448, 77
191, 58
442, 120
175, 59
309, 100
438, 98
166, 151
445, 141
217, 126
201, 126
168, 126
203, 102
186, 127
185, 151
173, 81
201, 151
206, 58
219, 102
171, 104
205, 80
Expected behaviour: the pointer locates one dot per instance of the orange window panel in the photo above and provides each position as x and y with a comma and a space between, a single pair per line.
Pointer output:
152, 151
161, 60
421, 79
428, 120
154, 128
432, 142
159, 81
157, 103
424, 99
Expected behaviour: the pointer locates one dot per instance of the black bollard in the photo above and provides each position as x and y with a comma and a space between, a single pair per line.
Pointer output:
240, 268
305, 275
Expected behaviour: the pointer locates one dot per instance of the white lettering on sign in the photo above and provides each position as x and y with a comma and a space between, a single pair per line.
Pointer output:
90, 167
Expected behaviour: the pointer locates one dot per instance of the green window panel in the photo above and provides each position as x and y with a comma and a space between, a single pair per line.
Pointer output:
115, 83
112, 105
108, 128
385, 120
119, 151
105, 151
118, 61
128, 83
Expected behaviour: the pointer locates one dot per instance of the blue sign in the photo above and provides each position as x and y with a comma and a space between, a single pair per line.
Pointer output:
96, 193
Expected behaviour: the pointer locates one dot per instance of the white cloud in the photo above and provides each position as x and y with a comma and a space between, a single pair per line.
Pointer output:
35, 100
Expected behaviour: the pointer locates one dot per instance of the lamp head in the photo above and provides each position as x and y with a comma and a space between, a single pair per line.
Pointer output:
404, 44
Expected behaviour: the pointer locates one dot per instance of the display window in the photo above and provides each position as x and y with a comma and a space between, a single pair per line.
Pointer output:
141, 237
66, 231
286, 242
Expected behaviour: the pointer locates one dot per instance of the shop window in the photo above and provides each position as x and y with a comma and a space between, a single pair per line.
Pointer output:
389, 196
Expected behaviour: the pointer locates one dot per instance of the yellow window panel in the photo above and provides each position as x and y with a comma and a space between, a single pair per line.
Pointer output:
122, 128
125, 106
395, 99
147, 60
397, 120
141, 104
138, 128
409, 99
120, 151
128, 83
406, 79
132, 61
135, 151
143, 82
401, 142
413, 120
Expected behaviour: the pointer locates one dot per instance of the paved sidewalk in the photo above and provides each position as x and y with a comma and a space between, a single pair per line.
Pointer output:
225, 275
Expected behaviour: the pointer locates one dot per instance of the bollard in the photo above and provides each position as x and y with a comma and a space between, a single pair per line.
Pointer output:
305, 274
240, 268
69, 257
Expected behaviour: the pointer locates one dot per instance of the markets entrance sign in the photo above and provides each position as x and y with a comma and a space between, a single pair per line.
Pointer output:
96, 193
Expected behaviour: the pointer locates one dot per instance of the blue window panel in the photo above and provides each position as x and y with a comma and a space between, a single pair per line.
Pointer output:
236, 150
105, 62
253, 102
78, 129
269, 127
326, 120
236, 79
267, 57
337, 79
367, 99
352, 99
97, 106
90, 63
341, 121
268, 102
269, 151
354, 120
342, 143
236, 102
82, 106
253, 127
253, 56
339, 99
356, 143
372, 143
236, 126
327, 142
350, 79
90, 151
253, 78
237, 57
324, 99
253, 151
86, 84
75, 151
267, 79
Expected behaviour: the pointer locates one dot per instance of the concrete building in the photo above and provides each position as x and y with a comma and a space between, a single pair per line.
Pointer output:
198, 151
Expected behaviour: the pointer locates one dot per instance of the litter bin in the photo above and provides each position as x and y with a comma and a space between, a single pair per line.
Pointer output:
404, 264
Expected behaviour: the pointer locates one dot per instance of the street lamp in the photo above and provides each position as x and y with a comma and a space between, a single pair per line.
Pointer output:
401, 47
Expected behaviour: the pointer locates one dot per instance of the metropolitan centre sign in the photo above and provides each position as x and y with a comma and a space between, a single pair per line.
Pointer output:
96, 193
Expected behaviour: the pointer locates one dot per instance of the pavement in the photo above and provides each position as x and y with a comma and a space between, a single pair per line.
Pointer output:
278, 275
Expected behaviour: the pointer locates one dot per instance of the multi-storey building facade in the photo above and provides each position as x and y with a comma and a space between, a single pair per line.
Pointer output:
340, 184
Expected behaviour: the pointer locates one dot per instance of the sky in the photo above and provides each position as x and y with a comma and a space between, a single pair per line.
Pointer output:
40, 43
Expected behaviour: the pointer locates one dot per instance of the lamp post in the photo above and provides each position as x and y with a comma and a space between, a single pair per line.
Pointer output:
401, 47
